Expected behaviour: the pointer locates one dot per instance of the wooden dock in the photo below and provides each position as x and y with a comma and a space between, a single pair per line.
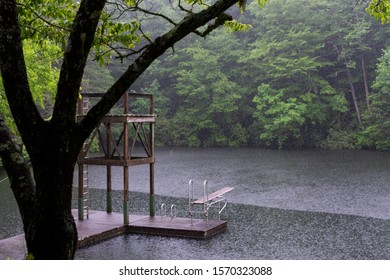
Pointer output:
177, 227
101, 226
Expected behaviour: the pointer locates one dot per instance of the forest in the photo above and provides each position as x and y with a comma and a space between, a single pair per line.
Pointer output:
299, 74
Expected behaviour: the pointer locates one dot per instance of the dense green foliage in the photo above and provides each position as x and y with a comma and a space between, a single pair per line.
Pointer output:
303, 76
43, 74
377, 132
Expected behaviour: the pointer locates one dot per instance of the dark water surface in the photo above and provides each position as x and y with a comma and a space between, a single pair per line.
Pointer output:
285, 205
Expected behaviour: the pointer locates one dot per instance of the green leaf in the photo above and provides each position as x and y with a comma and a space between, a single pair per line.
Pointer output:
380, 9
262, 2
131, 3
234, 25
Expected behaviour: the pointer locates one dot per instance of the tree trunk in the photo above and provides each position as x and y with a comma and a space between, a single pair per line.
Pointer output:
354, 99
52, 233
366, 91
22, 184
45, 205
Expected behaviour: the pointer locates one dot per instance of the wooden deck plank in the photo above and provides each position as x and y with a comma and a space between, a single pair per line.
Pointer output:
101, 226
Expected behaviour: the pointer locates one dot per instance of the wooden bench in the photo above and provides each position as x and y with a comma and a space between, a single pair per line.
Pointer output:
211, 196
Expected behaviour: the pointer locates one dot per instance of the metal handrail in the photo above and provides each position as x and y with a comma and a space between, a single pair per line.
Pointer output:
206, 195
173, 211
190, 195
163, 210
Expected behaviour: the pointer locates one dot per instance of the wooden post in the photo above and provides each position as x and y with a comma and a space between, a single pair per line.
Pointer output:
126, 195
151, 196
126, 167
151, 166
109, 184
109, 190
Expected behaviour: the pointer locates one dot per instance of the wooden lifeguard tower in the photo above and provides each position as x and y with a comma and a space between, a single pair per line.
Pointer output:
126, 138
118, 149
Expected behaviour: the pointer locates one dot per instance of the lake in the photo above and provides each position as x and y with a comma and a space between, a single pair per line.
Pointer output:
314, 204
343, 182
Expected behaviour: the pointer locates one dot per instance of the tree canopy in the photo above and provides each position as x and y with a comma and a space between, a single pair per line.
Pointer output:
301, 76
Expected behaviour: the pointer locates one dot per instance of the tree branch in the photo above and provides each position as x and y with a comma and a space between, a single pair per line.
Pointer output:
219, 21
153, 50
155, 14
79, 44
14, 74
42, 18
19, 175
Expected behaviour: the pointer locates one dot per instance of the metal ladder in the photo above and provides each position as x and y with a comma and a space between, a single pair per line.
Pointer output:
163, 211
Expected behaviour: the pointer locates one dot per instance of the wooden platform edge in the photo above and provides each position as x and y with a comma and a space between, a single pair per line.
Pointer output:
100, 237
94, 231
175, 228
